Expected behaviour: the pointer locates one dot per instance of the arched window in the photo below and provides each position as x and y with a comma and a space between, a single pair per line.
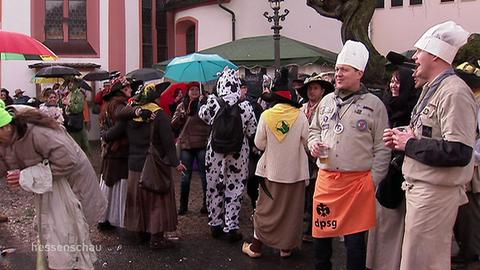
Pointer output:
186, 34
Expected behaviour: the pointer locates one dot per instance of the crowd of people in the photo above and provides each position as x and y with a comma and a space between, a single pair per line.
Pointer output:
319, 159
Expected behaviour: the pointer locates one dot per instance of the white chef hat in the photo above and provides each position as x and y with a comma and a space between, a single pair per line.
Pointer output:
443, 40
354, 54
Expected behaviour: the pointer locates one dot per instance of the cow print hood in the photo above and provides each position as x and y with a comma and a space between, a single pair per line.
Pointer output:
228, 85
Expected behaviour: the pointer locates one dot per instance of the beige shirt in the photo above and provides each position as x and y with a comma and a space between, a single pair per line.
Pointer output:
449, 115
359, 147
285, 161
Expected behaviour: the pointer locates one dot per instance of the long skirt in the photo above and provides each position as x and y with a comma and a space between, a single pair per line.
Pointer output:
278, 223
116, 197
384, 249
146, 211
64, 234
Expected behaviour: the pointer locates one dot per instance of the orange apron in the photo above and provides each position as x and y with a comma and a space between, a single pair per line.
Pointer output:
343, 203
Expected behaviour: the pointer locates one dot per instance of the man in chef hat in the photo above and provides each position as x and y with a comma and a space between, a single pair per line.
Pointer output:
438, 149
346, 135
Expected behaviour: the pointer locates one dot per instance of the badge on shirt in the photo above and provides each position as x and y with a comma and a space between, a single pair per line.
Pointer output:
426, 110
362, 125
427, 131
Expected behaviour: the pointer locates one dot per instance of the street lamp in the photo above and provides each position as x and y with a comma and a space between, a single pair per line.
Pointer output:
276, 17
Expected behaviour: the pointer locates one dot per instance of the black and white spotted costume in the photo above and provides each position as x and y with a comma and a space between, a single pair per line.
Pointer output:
227, 174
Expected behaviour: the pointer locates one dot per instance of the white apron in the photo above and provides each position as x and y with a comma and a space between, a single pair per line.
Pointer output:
431, 214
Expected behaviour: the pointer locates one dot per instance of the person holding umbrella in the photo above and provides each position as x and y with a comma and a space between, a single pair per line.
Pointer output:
193, 136
76, 116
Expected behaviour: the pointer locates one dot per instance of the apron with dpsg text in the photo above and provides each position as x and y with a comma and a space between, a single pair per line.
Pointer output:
343, 203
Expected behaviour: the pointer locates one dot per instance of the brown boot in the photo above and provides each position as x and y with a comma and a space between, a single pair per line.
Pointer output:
3, 218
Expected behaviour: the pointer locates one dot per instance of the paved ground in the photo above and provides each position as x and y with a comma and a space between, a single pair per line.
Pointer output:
119, 249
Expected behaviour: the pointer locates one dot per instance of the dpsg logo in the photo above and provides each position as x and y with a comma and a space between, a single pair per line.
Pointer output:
323, 210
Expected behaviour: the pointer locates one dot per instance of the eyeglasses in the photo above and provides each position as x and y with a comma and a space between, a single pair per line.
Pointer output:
469, 68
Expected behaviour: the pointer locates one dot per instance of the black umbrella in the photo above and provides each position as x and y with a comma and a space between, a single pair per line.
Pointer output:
145, 74
97, 75
85, 85
57, 72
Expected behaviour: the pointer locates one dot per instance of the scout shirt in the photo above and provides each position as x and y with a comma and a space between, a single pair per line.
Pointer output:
359, 147
450, 115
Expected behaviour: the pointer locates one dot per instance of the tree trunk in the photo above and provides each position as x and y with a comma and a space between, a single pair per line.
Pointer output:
355, 16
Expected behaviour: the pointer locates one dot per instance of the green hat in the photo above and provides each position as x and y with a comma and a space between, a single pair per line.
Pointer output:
5, 117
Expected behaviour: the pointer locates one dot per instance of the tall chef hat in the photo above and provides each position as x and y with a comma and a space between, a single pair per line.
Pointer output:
443, 40
354, 54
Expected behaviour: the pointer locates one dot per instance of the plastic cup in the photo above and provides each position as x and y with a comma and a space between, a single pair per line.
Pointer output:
324, 151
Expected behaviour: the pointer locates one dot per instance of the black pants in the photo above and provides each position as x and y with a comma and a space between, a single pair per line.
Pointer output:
356, 252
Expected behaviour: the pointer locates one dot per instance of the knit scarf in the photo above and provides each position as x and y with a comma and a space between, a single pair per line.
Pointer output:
280, 119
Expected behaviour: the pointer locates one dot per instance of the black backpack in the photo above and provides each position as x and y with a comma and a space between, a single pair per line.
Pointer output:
227, 129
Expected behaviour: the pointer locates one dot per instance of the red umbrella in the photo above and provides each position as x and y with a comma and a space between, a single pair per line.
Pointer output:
168, 96
16, 46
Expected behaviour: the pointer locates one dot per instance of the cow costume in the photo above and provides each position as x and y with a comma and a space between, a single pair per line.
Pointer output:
226, 173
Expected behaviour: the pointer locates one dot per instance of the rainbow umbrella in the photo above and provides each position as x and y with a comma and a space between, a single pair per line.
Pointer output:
17, 46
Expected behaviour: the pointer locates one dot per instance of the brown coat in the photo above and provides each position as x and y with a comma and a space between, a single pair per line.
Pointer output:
66, 160
193, 130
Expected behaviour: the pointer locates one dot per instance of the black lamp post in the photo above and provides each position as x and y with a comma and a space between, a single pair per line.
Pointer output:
276, 17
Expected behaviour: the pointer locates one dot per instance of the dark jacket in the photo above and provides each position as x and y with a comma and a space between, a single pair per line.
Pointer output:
193, 132
114, 154
138, 134
400, 108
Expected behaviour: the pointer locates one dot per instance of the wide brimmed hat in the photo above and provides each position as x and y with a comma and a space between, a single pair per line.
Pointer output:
150, 92
396, 59
117, 84
470, 74
18, 92
315, 78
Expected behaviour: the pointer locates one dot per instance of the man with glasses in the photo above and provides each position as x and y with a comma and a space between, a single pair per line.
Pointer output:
346, 133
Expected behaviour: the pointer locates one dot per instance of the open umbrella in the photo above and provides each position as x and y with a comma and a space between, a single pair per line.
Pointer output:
168, 98
84, 85
57, 72
17, 46
97, 75
197, 67
145, 74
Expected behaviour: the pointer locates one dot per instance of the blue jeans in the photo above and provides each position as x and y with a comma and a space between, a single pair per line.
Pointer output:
187, 156
356, 252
